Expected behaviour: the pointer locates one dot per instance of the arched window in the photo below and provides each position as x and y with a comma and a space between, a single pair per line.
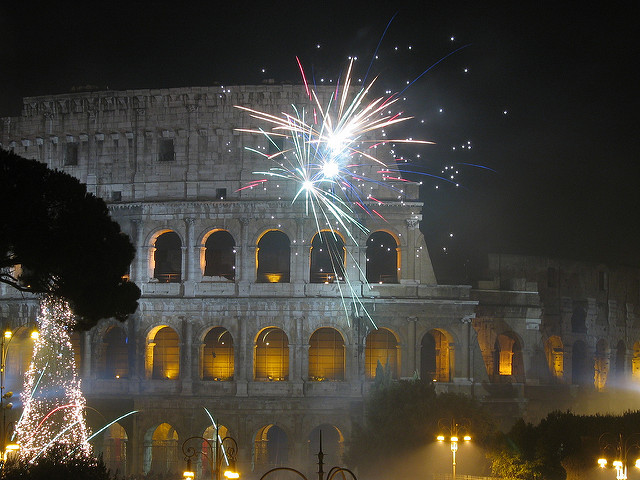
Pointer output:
601, 364
326, 355
327, 257
555, 357
220, 256
274, 256
381, 347
202, 468
18, 361
272, 355
165, 353
580, 372
271, 448
161, 455
436, 357
508, 357
382, 258
168, 258
217, 355
116, 354
332, 444
114, 449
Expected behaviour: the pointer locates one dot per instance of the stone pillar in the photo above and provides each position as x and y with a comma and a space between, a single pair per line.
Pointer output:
189, 259
411, 347
137, 266
86, 361
245, 262
242, 359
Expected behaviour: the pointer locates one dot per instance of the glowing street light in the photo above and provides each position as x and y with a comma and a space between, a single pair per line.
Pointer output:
454, 431
216, 452
620, 447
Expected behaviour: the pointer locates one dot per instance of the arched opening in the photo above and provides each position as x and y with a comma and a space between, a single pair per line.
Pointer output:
508, 357
78, 350
168, 258
271, 358
327, 257
332, 444
326, 355
115, 360
381, 347
161, 451
635, 362
580, 374
17, 363
220, 256
165, 354
208, 458
383, 263
436, 357
620, 366
271, 448
114, 449
555, 357
579, 320
218, 355
601, 365
273, 257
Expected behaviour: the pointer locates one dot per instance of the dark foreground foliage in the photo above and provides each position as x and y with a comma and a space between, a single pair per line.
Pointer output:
58, 239
57, 464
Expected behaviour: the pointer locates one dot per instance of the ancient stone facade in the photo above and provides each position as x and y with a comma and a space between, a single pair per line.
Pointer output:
240, 314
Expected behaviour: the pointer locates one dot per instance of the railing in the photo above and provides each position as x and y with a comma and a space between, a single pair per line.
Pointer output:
168, 277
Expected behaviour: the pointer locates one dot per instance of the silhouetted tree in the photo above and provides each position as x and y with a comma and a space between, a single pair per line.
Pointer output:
58, 239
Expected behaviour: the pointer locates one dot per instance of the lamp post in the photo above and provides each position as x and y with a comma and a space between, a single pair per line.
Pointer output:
217, 452
330, 474
455, 430
5, 447
620, 447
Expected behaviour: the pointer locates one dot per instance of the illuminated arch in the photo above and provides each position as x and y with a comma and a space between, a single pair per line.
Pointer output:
601, 364
162, 353
202, 468
271, 448
326, 355
166, 257
115, 354
327, 257
508, 361
381, 346
114, 449
273, 257
161, 450
554, 351
218, 257
383, 258
437, 356
271, 355
333, 445
217, 357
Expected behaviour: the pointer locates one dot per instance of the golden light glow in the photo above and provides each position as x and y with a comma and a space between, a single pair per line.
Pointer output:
617, 463
637, 463
12, 447
467, 438
231, 474
273, 277
7, 334
189, 474
602, 462
35, 335
454, 439
440, 438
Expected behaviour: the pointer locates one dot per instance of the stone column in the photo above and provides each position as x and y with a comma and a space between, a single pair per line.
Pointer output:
244, 363
86, 361
411, 347
188, 258
245, 259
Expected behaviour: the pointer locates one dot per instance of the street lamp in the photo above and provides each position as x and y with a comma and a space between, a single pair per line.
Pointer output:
454, 431
330, 474
620, 447
217, 451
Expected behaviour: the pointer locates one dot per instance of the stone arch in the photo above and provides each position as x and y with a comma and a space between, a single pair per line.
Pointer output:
508, 359
114, 360
437, 356
333, 444
207, 458
382, 346
271, 448
580, 374
217, 355
327, 257
161, 451
383, 258
162, 356
271, 355
114, 449
601, 364
326, 355
273, 257
17, 364
554, 351
165, 258
218, 257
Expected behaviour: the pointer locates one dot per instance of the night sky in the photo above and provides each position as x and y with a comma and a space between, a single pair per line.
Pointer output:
545, 92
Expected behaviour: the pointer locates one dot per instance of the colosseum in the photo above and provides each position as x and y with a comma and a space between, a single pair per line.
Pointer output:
243, 311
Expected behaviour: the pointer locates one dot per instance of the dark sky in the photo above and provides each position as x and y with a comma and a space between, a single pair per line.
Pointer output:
564, 158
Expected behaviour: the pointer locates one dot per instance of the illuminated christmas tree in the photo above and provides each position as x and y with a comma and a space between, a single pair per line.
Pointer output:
53, 402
